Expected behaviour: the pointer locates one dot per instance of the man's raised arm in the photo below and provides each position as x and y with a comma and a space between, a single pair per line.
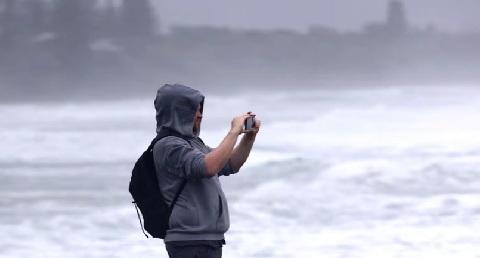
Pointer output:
241, 152
218, 158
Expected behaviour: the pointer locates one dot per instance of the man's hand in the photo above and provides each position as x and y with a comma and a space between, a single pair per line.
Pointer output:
237, 124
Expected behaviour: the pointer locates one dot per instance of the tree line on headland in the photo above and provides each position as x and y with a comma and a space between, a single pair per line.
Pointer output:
91, 48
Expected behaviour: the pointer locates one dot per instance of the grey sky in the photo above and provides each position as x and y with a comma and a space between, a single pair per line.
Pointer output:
450, 15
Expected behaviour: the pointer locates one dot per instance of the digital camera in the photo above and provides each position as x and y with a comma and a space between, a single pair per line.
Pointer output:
250, 123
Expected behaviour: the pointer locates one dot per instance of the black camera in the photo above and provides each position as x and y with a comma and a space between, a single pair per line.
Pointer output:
250, 123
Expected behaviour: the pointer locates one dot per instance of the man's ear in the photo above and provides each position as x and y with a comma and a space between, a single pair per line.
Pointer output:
201, 106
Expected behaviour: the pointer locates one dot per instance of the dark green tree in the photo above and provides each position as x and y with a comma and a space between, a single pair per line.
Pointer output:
138, 19
110, 22
36, 16
7, 23
73, 23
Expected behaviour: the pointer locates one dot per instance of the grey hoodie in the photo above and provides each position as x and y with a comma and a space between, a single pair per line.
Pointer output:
201, 211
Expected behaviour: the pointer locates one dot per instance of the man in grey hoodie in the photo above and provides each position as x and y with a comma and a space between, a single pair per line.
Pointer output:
200, 216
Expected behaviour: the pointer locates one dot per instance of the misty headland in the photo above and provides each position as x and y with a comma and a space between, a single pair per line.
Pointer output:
114, 49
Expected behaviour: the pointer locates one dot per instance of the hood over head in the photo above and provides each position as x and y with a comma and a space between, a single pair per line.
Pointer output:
176, 106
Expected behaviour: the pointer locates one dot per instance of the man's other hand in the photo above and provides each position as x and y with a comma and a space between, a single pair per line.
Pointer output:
238, 123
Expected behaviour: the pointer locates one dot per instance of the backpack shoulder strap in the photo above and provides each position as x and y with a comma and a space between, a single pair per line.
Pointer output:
182, 186
184, 183
168, 133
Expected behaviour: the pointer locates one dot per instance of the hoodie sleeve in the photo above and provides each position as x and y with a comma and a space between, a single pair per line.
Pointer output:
179, 158
227, 169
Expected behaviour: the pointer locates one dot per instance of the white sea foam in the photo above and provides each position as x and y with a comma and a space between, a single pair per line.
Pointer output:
350, 173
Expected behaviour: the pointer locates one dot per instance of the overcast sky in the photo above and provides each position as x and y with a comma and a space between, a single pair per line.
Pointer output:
345, 15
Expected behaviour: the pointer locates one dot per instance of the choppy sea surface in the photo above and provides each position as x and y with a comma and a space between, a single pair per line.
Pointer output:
392, 172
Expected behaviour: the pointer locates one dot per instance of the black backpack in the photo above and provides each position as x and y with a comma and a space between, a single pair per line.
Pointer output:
146, 194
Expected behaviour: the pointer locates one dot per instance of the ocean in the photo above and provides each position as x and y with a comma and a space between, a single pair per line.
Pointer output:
369, 172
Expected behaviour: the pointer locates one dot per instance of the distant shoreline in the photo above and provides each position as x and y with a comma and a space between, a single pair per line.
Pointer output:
90, 94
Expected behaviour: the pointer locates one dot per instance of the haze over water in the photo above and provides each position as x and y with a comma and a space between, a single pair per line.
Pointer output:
369, 144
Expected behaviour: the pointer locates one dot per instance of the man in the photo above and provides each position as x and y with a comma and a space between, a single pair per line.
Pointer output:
200, 216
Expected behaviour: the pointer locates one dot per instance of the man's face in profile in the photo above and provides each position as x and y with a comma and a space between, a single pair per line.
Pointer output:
198, 119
